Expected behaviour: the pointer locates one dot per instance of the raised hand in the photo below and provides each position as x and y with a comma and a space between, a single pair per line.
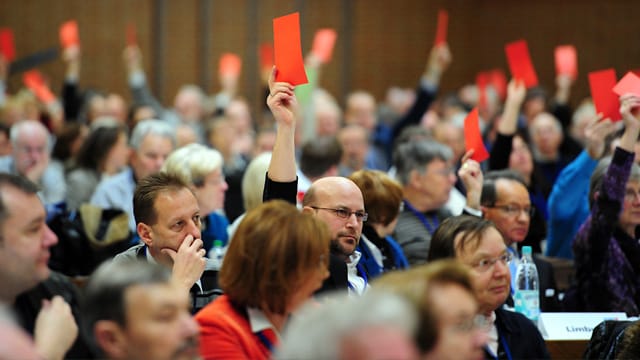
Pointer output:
471, 176
132, 57
595, 134
439, 60
630, 111
188, 262
282, 101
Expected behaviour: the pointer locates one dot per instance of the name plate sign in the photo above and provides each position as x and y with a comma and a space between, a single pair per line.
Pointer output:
573, 326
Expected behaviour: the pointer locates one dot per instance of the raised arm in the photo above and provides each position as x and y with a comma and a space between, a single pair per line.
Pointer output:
283, 104
500, 152
71, 99
140, 92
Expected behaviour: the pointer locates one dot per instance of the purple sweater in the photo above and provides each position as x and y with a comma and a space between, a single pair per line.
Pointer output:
607, 259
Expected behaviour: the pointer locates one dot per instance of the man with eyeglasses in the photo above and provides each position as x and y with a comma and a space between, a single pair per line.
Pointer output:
30, 158
337, 201
505, 201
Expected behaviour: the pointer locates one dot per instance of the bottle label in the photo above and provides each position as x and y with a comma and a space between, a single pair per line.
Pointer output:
527, 302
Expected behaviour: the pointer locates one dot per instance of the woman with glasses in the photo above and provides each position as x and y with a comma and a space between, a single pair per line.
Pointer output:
477, 243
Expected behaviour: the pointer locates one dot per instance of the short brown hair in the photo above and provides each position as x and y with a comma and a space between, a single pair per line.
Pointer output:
271, 254
147, 192
382, 195
417, 284
472, 228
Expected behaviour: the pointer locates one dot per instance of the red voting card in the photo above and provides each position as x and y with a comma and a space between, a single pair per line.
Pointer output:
34, 81
630, 83
7, 48
472, 137
266, 56
69, 34
606, 101
520, 63
230, 64
132, 35
287, 49
498, 80
566, 61
441, 29
323, 43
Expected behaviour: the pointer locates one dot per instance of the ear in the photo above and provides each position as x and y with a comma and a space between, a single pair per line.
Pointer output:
111, 339
145, 232
308, 210
484, 211
596, 195
414, 179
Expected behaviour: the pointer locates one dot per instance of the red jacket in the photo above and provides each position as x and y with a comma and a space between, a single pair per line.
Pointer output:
225, 333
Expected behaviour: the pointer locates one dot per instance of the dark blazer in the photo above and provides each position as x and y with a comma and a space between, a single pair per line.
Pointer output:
521, 336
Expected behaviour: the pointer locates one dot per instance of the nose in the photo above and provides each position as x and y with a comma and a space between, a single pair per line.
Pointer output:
194, 229
352, 220
49, 238
500, 269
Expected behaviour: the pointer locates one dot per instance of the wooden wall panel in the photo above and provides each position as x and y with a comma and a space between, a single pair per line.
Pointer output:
380, 43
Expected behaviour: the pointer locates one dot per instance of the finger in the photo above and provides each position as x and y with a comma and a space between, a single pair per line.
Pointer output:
467, 156
272, 76
188, 240
197, 244
202, 252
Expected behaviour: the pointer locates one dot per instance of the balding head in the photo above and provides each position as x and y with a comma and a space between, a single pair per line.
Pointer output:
546, 134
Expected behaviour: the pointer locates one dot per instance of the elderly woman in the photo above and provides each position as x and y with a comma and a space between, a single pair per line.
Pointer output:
277, 259
477, 243
201, 168
382, 199
449, 326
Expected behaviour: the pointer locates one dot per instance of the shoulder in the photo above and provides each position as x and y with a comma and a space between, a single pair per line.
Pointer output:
129, 254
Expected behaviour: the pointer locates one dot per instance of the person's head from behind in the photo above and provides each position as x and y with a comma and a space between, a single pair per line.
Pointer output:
505, 201
253, 181
106, 148
277, 259
151, 141
374, 326
443, 295
361, 110
327, 113
424, 170
220, 135
69, 140
166, 212
629, 216
535, 102
189, 103
451, 135
30, 145
581, 118
477, 243
25, 238
320, 157
134, 311
382, 199
201, 168
264, 141
337, 202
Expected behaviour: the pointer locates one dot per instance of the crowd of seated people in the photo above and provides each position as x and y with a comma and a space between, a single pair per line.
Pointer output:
333, 221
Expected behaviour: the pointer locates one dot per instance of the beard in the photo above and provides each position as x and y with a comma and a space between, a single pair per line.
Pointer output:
339, 249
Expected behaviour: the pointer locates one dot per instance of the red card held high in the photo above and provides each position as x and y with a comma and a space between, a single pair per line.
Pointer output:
288, 50
34, 81
266, 56
441, 29
230, 64
630, 83
520, 63
566, 61
69, 34
323, 43
7, 48
606, 101
472, 137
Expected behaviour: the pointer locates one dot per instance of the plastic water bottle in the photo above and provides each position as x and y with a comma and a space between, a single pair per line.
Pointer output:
216, 254
527, 298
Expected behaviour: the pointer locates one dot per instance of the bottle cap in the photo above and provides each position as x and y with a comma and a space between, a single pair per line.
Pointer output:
526, 250
217, 243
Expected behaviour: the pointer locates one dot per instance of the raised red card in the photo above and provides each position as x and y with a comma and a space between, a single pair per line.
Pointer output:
473, 138
323, 43
520, 63
266, 56
605, 100
230, 64
288, 50
69, 34
630, 83
7, 48
34, 81
132, 35
566, 61
441, 29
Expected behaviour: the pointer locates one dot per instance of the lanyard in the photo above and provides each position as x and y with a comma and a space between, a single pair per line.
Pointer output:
505, 347
430, 225
265, 340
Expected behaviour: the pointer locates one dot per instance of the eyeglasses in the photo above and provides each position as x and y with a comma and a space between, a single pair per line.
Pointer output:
444, 172
631, 195
514, 210
345, 214
469, 324
486, 264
